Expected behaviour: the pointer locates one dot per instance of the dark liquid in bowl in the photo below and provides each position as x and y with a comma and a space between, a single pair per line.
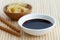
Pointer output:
37, 24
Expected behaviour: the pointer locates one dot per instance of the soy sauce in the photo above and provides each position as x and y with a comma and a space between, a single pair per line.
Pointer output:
37, 24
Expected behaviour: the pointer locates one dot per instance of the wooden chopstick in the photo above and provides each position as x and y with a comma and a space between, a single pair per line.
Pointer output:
10, 31
9, 24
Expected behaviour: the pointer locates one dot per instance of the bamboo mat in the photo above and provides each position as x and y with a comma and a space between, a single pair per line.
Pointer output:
50, 7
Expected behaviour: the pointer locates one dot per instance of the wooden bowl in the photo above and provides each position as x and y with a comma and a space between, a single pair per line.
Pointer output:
16, 16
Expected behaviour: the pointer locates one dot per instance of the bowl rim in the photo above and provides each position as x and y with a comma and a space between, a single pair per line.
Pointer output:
38, 29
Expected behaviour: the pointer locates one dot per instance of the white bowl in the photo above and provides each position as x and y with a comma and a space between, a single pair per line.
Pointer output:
36, 32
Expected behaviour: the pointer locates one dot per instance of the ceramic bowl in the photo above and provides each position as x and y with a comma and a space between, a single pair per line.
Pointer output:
36, 32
